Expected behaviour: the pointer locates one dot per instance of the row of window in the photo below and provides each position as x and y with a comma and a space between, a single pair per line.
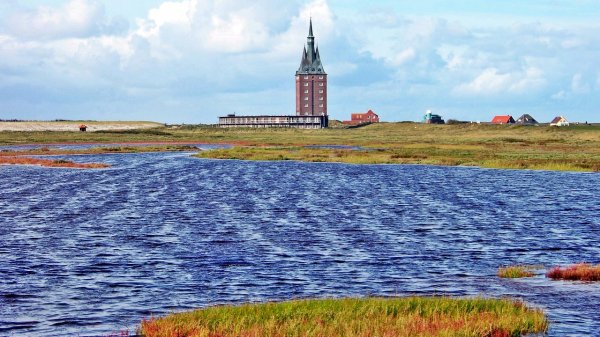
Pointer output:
306, 84
320, 98
268, 120
320, 77
306, 91
320, 105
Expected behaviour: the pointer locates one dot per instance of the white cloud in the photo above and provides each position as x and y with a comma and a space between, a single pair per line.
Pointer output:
183, 53
75, 19
492, 82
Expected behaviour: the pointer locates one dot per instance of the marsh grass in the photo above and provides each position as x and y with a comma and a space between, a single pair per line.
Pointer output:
574, 148
516, 271
576, 272
10, 160
411, 316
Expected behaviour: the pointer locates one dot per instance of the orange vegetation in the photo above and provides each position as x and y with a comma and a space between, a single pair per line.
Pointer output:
576, 272
13, 160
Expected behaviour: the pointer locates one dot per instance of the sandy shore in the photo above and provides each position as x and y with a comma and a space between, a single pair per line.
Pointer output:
74, 126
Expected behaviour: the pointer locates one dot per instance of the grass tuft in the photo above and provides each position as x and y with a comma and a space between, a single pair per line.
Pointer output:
516, 271
410, 316
576, 272
13, 160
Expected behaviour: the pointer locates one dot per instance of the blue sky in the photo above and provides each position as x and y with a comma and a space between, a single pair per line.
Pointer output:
189, 61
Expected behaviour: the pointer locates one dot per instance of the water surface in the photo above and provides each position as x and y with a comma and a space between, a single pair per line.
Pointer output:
90, 252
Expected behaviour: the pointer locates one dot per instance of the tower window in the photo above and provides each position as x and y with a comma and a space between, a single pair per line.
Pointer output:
320, 84
306, 98
320, 77
320, 98
306, 91
306, 84
306, 105
306, 77
320, 91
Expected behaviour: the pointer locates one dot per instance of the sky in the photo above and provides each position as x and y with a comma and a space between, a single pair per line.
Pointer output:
190, 61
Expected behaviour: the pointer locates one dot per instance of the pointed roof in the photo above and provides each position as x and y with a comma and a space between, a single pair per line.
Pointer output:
526, 119
311, 58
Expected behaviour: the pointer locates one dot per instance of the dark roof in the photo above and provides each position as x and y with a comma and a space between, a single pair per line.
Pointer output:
311, 59
527, 120
556, 120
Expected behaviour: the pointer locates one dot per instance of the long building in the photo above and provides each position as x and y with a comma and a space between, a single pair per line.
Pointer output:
297, 122
311, 97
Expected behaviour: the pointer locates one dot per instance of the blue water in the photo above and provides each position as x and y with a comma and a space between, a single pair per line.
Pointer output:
92, 252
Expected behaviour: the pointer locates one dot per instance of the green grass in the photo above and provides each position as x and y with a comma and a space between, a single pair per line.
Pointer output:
575, 148
411, 316
516, 271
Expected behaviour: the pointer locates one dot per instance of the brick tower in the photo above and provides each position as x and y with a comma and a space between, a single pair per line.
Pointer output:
311, 81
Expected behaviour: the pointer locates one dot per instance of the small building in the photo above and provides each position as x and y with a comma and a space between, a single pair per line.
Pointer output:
265, 121
431, 118
559, 121
362, 118
526, 119
508, 119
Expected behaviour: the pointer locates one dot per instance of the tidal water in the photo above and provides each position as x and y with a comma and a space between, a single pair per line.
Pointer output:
92, 252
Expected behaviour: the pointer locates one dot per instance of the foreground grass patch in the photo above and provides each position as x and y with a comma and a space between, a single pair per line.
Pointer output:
516, 271
411, 316
576, 272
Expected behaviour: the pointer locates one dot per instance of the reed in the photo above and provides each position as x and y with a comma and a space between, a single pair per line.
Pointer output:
515, 271
576, 272
411, 316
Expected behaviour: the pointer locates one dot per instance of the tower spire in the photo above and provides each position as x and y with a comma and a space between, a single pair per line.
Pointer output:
311, 60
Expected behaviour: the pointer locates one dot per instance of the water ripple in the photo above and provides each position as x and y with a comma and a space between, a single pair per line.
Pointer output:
89, 252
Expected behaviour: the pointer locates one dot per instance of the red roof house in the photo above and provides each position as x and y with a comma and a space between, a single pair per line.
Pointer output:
503, 120
362, 118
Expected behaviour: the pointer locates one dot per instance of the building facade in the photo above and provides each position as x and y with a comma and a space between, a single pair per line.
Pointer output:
311, 97
362, 118
311, 81
296, 122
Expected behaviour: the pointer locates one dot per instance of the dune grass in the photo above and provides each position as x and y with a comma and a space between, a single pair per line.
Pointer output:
575, 148
410, 316
576, 272
520, 271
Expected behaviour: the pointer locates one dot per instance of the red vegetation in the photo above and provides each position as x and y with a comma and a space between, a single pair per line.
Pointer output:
48, 163
576, 272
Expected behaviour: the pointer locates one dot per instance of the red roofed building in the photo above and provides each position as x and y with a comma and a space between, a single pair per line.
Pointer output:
503, 120
362, 118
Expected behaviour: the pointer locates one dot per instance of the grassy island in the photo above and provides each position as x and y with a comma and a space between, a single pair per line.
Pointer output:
574, 148
410, 316
577, 272
516, 271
